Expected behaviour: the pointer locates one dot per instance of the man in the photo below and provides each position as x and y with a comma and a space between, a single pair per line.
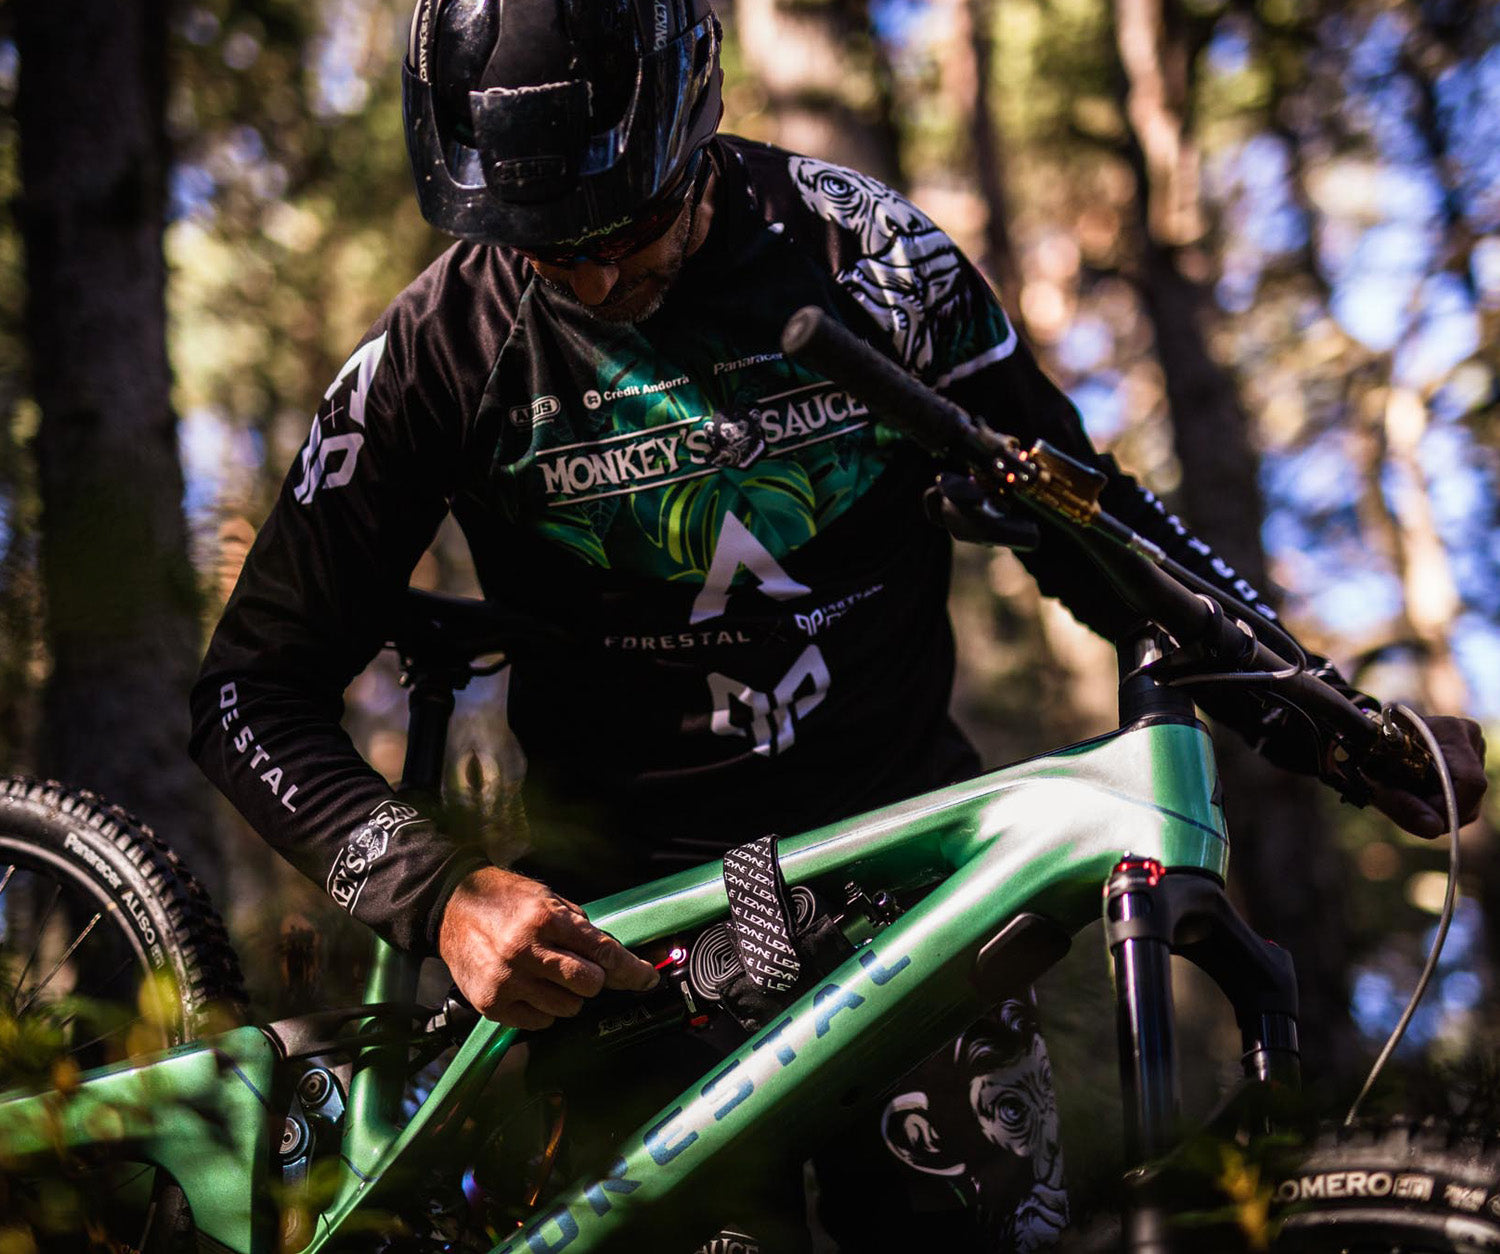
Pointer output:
750, 595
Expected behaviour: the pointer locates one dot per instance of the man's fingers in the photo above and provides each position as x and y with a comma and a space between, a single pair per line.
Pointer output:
1462, 743
1466, 761
622, 969
578, 975
525, 956
1410, 813
518, 1014
543, 995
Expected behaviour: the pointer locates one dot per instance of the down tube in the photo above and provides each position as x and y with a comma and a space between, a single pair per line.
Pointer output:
863, 1022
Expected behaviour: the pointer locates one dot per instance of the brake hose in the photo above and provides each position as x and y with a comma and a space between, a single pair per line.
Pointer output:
1444, 919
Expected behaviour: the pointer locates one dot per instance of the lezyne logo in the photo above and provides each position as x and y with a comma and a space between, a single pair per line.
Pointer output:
638, 460
687, 1128
367, 844
329, 458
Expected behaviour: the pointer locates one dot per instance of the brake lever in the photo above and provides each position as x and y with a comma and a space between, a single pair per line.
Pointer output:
1397, 758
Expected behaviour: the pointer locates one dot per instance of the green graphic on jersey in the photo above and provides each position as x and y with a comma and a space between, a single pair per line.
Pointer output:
640, 476
775, 500
671, 424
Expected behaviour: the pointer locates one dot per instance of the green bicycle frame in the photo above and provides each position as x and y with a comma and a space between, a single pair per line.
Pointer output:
1040, 837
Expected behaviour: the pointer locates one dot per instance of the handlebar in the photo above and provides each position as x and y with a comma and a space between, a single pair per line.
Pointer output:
1066, 493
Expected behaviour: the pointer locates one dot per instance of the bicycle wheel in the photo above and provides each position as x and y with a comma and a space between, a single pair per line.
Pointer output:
1394, 1188
108, 948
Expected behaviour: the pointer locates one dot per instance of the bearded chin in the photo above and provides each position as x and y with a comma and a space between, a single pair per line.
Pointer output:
621, 315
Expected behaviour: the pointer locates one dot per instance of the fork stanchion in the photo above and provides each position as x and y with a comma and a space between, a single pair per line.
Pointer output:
1135, 931
1143, 1016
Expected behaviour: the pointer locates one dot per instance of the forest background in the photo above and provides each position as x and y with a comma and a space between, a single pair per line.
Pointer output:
1257, 241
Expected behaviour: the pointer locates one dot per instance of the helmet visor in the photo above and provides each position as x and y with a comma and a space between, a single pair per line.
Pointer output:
540, 175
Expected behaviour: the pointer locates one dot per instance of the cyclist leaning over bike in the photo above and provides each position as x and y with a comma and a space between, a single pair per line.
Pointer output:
744, 595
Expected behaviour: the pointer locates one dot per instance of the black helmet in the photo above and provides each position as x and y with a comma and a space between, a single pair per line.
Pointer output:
540, 123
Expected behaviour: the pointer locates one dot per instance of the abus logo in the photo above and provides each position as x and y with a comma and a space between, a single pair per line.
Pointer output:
770, 718
542, 409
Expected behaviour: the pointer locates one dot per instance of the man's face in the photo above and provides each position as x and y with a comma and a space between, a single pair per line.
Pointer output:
633, 287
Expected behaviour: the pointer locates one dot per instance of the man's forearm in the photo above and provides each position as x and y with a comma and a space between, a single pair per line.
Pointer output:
283, 760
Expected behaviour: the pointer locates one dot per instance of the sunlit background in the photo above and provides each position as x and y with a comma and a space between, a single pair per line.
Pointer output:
1257, 243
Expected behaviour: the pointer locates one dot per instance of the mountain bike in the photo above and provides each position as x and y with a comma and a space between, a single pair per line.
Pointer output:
290, 1135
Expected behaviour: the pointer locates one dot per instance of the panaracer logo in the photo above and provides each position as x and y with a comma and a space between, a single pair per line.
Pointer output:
74, 845
739, 363
638, 460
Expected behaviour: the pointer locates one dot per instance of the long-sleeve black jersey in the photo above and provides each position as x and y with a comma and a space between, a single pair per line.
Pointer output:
750, 603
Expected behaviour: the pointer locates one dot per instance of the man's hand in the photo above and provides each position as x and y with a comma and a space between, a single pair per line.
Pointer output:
525, 956
967, 512
1462, 744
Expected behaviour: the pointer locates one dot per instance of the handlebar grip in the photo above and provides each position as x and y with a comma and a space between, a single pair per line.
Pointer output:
893, 396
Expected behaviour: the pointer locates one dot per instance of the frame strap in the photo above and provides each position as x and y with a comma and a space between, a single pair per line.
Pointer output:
760, 915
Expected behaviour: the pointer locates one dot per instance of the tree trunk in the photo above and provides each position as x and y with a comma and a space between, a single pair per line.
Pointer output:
1275, 820
122, 605
967, 78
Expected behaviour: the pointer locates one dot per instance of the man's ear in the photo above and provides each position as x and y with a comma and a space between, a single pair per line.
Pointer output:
907, 1127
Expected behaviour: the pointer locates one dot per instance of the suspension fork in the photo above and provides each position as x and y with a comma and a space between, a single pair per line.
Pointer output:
1150, 914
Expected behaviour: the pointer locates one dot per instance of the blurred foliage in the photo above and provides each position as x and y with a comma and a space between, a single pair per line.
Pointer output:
294, 217
62, 1202
1350, 183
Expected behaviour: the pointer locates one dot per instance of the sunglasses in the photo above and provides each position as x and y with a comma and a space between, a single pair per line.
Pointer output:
630, 238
